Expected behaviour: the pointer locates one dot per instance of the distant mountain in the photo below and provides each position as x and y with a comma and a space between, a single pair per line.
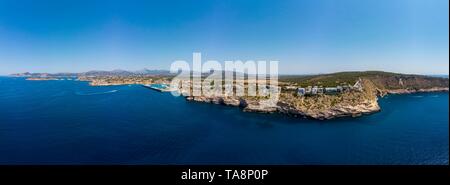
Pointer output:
152, 72
40, 75
26, 74
117, 72
439, 76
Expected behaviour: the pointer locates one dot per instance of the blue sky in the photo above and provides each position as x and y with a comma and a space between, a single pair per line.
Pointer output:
306, 36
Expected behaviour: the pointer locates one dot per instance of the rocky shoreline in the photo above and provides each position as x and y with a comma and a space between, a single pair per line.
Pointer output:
284, 108
121, 80
410, 91
335, 112
42, 79
349, 103
364, 107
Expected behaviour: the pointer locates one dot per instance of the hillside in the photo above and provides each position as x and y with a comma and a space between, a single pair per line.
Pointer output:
382, 80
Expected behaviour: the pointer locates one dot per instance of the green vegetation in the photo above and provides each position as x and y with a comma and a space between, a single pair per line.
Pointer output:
382, 80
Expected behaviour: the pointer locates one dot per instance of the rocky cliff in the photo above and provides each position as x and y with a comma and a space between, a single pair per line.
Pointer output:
348, 104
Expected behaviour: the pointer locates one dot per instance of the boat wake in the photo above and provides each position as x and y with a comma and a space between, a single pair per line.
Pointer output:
417, 96
96, 93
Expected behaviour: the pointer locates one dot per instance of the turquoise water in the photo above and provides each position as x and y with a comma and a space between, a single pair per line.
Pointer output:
69, 122
159, 86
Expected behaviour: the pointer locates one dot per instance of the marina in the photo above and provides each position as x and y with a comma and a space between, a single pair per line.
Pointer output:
159, 87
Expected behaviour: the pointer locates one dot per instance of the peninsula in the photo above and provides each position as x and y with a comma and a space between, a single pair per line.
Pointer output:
325, 96
344, 94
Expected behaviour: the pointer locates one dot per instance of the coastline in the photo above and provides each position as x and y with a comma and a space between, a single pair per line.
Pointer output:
42, 79
411, 91
366, 102
363, 108
109, 115
355, 102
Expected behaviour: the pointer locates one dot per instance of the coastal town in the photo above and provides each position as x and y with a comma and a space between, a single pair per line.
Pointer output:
317, 90
315, 96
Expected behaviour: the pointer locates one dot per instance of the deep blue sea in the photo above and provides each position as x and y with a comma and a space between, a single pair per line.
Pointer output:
69, 122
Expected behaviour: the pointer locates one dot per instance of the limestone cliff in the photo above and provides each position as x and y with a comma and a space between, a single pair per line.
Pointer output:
347, 104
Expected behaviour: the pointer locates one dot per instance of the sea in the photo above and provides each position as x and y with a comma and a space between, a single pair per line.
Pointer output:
70, 122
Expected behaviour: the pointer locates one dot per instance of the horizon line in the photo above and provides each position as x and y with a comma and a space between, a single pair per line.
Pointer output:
284, 74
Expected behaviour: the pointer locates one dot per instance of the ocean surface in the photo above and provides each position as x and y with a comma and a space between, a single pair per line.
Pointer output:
69, 122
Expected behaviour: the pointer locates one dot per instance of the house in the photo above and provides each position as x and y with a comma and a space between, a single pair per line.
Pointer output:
346, 88
320, 90
314, 90
308, 90
331, 90
340, 89
358, 85
301, 91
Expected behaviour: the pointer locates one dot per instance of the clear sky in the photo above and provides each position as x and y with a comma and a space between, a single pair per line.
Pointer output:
306, 36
